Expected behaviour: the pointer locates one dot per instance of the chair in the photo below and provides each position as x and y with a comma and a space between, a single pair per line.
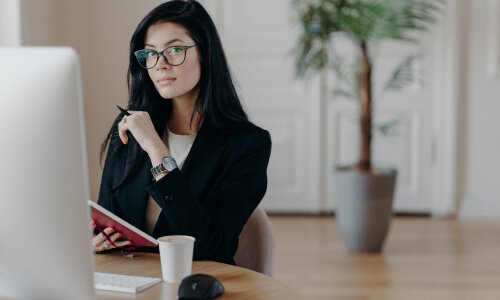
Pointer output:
256, 244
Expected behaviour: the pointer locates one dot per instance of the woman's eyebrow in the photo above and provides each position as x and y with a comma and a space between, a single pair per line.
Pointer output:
166, 44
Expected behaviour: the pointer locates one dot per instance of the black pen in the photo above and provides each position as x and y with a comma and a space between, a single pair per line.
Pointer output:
123, 111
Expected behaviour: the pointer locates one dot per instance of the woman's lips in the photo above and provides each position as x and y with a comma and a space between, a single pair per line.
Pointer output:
166, 81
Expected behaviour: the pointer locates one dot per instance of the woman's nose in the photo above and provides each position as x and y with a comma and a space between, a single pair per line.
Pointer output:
162, 63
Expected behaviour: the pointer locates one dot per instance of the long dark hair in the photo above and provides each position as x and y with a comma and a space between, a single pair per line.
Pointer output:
217, 102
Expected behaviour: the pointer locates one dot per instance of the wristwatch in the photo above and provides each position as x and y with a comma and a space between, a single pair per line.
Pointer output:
167, 164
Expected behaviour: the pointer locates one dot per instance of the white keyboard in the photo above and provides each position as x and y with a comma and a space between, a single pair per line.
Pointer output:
123, 283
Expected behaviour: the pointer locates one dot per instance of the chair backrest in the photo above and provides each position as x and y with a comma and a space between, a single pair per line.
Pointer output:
256, 244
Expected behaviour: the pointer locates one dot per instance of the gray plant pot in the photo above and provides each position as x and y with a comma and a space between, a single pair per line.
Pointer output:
364, 207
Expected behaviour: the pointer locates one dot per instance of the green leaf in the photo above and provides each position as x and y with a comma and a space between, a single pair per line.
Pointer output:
342, 93
389, 128
402, 75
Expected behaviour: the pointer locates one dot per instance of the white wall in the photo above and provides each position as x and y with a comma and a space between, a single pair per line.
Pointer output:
39, 23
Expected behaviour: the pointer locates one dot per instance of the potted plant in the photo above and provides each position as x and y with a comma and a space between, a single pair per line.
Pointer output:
363, 193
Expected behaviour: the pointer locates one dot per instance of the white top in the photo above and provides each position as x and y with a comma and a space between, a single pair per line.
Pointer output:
179, 146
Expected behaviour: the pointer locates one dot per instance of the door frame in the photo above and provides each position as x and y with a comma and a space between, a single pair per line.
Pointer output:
10, 23
445, 202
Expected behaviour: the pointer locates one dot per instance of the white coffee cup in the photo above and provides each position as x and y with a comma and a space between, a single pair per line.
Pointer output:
176, 256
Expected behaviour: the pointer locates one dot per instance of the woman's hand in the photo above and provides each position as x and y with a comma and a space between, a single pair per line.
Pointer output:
100, 242
140, 125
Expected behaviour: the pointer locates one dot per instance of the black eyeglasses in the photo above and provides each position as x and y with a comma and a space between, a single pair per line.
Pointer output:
174, 56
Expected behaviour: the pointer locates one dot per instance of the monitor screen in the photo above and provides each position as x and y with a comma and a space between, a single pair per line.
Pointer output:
45, 250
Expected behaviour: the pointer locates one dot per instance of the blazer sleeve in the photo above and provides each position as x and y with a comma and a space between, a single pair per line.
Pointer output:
109, 174
216, 222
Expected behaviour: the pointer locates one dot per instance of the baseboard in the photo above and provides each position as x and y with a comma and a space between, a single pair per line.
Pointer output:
299, 214
332, 214
479, 208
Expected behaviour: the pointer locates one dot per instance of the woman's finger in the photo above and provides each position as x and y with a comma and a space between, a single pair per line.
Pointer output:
123, 243
115, 236
97, 240
100, 238
122, 130
106, 245
109, 230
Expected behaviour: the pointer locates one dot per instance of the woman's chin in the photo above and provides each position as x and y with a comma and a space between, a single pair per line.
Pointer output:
167, 94
171, 94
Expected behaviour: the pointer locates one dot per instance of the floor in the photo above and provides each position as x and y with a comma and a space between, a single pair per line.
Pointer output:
423, 258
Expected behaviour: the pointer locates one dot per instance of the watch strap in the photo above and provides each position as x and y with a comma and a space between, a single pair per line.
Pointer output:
158, 169
167, 164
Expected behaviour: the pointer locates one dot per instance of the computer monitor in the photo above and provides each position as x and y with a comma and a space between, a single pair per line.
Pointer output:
45, 249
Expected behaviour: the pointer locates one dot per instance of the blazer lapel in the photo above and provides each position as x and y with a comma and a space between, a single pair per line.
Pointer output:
202, 161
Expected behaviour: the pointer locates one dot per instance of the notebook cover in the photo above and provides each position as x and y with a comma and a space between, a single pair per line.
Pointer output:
105, 218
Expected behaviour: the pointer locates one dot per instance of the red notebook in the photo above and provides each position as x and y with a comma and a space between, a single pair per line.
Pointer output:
104, 218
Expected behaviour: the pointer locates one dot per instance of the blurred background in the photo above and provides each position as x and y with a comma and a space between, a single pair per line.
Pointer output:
446, 153
445, 147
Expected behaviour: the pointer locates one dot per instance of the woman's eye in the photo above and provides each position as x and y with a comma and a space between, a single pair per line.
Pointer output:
150, 53
176, 50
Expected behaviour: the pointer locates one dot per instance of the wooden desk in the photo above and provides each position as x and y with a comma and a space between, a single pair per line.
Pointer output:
239, 283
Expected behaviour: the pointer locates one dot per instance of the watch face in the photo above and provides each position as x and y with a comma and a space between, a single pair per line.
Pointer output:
169, 163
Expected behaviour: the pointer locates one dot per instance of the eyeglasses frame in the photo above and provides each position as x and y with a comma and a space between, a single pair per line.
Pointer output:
163, 55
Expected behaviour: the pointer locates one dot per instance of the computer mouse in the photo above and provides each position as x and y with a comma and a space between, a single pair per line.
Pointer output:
200, 286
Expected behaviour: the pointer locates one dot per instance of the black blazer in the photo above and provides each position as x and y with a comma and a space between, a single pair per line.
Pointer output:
221, 183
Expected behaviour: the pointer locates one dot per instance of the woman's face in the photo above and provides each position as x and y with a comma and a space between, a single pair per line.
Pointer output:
173, 81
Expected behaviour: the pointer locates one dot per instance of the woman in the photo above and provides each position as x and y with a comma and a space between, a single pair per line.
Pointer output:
186, 160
